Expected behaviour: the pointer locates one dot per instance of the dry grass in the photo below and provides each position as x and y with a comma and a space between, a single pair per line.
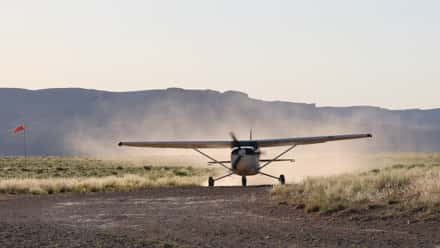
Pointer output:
408, 186
68, 167
93, 184
48, 175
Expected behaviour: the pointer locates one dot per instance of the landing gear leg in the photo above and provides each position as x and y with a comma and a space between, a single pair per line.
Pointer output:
211, 180
282, 179
243, 181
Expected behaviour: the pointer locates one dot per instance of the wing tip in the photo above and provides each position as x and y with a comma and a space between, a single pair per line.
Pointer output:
369, 135
120, 144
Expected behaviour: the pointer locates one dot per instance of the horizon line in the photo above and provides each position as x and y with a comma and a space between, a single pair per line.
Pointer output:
223, 92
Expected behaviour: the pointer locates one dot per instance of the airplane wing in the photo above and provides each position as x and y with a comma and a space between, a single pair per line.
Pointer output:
260, 143
180, 144
309, 140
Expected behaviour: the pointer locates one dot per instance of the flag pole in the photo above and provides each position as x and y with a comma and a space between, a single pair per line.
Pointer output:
25, 150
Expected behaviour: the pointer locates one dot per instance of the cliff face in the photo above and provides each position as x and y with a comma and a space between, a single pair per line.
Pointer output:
61, 119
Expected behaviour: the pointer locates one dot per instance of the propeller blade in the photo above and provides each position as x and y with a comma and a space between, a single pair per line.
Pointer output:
236, 161
234, 138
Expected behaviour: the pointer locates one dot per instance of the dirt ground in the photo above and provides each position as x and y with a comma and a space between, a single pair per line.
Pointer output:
198, 217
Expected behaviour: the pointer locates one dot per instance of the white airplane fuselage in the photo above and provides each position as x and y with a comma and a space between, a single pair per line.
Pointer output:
248, 161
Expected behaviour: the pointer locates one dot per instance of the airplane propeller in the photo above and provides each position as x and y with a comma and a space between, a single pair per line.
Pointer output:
234, 138
236, 161
235, 143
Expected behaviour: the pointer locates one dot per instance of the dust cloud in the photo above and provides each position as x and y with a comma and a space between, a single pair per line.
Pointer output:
88, 138
310, 161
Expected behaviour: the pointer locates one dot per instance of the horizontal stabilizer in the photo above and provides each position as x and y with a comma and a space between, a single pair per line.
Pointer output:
261, 160
278, 160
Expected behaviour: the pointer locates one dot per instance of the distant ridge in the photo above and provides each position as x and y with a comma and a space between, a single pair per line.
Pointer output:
62, 121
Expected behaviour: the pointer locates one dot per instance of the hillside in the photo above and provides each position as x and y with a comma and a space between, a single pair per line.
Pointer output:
79, 121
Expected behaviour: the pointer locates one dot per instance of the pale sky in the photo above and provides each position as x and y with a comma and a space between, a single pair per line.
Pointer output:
333, 53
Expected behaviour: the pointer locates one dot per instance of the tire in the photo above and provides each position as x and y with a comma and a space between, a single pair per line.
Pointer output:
243, 181
282, 179
211, 182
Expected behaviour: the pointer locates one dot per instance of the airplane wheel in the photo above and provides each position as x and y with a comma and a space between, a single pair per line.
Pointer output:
243, 181
282, 180
211, 182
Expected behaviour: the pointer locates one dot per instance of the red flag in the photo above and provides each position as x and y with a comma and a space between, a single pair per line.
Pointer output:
19, 128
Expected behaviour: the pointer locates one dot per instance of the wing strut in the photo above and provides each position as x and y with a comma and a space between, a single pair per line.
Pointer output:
213, 159
276, 178
277, 157
227, 175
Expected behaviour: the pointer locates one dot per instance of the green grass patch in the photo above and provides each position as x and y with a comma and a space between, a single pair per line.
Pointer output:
48, 175
68, 167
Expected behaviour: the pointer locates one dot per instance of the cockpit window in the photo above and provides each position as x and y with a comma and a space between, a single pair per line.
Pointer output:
248, 151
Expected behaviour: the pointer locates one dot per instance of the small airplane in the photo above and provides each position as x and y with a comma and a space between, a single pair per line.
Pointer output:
245, 154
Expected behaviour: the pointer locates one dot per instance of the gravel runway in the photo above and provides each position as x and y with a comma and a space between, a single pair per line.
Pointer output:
197, 217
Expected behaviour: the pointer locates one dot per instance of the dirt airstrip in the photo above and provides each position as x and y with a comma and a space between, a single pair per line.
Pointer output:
198, 217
